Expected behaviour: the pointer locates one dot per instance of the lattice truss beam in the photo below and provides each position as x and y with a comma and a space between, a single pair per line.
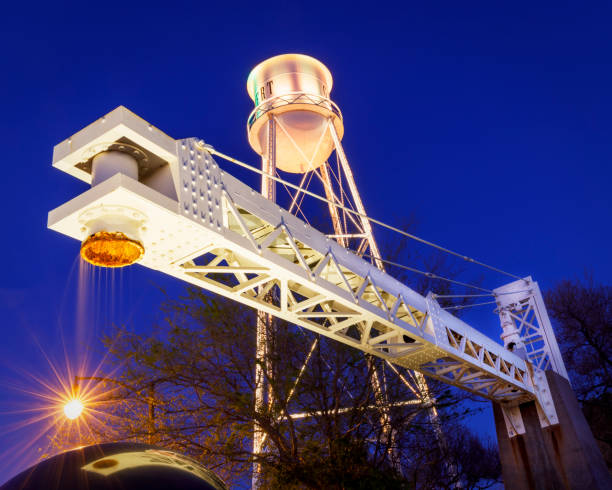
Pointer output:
349, 230
351, 307
223, 236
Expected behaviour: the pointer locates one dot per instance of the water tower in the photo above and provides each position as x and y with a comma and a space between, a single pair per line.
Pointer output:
291, 91
295, 127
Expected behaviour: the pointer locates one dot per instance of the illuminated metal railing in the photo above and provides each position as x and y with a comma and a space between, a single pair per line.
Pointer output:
288, 99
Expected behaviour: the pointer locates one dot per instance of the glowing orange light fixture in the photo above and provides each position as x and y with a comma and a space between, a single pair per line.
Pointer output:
111, 249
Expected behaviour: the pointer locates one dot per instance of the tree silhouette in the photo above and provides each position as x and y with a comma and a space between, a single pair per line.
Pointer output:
582, 312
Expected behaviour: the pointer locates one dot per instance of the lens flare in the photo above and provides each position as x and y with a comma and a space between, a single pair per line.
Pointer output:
59, 410
73, 408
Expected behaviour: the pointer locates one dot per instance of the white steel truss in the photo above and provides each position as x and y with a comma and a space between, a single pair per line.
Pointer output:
526, 324
223, 236
254, 244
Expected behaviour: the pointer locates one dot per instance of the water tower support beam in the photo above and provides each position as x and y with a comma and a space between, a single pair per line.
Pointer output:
422, 386
340, 230
367, 226
333, 210
264, 396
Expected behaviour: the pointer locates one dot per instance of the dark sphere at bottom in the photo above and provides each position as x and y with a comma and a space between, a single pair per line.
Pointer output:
125, 466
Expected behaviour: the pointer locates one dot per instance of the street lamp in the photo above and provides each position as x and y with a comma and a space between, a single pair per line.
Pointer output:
74, 408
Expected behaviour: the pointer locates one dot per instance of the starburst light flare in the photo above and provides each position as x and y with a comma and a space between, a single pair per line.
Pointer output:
74, 408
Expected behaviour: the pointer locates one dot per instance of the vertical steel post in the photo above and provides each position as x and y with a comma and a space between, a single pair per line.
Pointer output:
263, 395
366, 225
333, 210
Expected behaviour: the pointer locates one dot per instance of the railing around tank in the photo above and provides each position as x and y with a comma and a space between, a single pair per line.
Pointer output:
291, 98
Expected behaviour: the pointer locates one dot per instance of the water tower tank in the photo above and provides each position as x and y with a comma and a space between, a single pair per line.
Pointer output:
294, 89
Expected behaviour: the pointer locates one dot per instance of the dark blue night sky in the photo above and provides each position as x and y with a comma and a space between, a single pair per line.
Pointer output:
489, 123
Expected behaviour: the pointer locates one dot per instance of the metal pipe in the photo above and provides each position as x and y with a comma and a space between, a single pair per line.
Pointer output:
109, 163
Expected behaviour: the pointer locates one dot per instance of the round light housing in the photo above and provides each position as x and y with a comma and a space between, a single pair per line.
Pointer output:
111, 249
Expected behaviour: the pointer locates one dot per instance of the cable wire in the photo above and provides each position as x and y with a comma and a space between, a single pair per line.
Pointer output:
480, 295
210, 149
461, 307
462, 295
431, 275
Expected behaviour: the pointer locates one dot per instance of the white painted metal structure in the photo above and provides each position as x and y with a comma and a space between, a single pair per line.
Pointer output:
526, 326
264, 395
218, 225
527, 331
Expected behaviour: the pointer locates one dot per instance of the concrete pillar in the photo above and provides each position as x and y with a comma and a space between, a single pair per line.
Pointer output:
564, 456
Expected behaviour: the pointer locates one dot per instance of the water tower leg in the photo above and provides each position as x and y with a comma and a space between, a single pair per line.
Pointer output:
563, 456
265, 321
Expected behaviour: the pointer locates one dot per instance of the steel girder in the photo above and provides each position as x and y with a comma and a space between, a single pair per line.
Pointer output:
225, 237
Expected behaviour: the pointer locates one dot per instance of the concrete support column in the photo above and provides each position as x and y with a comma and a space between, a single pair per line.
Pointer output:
563, 456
